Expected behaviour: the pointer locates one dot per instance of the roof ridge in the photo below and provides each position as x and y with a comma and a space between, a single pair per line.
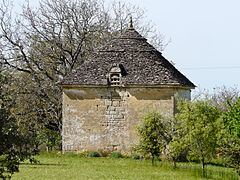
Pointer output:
131, 34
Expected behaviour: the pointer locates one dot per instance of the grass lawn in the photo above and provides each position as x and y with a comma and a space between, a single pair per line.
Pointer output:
65, 167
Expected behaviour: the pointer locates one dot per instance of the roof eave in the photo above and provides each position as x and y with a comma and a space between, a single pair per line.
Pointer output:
127, 86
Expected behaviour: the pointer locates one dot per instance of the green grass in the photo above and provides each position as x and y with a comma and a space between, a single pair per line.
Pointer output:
61, 167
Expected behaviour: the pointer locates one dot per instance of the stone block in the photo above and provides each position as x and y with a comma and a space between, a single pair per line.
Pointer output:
111, 108
119, 116
112, 112
108, 102
116, 103
120, 109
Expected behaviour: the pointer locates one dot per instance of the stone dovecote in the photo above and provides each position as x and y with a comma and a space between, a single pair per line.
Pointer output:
104, 100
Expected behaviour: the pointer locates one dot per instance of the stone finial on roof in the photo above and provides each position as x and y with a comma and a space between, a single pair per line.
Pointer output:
130, 24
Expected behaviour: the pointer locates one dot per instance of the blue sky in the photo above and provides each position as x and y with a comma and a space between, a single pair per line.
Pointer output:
205, 37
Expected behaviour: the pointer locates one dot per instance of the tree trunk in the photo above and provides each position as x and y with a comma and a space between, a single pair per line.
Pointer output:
174, 164
152, 160
203, 166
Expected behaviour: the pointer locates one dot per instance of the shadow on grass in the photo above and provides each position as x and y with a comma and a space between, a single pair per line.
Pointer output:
196, 171
217, 164
43, 164
221, 175
212, 174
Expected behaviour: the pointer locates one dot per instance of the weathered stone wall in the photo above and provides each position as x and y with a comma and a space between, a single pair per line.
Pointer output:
105, 119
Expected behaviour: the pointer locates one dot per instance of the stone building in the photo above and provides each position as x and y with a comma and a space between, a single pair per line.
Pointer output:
104, 100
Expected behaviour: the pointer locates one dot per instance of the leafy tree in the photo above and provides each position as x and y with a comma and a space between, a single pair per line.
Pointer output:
177, 149
197, 130
49, 138
153, 134
14, 145
230, 135
8, 162
33, 113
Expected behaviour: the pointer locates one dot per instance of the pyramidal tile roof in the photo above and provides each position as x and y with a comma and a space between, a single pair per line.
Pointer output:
140, 63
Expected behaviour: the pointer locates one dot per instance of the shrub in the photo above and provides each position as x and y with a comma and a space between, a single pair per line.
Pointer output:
116, 155
94, 154
34, 161
104, 153
136, 156
83, 154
